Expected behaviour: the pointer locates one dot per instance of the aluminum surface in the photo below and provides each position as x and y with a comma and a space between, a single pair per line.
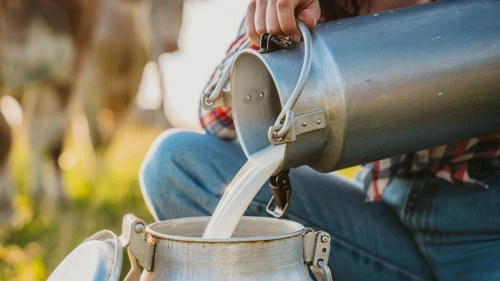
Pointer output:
267, 249
261, 249
389, 84
99, 258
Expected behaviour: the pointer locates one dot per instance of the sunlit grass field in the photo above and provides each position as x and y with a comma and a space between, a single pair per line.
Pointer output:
101, 192
101, 189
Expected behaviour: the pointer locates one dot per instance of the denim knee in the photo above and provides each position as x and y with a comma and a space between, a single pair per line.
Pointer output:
168, 149
166, 152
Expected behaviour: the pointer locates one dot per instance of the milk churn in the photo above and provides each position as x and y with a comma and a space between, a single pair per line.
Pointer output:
261, 249
369, 87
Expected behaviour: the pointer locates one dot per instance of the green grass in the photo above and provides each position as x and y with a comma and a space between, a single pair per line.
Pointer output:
101, 192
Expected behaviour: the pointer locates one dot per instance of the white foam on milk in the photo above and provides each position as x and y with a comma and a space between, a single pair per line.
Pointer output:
242, 190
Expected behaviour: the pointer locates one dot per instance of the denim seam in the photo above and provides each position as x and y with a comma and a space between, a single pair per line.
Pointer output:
415, 189
396, 271
420, 217
419, 238
427, 206
409, 202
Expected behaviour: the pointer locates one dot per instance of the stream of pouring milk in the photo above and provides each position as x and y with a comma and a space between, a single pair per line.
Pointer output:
242, 190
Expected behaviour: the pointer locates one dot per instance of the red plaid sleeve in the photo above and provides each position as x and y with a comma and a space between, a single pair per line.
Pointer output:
448, 162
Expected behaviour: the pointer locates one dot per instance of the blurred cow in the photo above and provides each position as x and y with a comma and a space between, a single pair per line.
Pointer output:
53, 50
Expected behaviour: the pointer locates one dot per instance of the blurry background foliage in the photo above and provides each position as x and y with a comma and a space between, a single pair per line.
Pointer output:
99, 198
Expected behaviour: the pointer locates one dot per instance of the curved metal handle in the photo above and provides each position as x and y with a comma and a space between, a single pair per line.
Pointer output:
135, 271
214, 90
284, 122
326, 274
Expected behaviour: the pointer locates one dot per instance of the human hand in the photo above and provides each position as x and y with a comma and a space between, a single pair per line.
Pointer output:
278, 17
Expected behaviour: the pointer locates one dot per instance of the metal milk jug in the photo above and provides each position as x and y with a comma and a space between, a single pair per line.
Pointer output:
261, 249
370, 87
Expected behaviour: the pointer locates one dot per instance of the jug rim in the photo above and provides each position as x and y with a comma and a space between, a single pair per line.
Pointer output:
259, 238
247, 140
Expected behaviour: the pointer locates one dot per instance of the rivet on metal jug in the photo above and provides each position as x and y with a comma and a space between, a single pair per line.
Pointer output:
370, 87
261, 249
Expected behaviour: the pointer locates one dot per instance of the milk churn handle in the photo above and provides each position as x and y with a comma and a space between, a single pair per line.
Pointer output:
135, 271
214, 90
284, 122
326, 274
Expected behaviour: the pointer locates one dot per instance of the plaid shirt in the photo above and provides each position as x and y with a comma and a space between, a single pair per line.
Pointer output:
448, 162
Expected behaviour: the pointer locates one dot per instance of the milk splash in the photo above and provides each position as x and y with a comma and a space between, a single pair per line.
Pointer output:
240, 193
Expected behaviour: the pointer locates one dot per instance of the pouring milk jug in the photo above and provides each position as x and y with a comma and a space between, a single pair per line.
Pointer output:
418, 77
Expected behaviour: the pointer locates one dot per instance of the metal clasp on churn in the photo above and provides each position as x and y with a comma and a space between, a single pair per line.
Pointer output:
140, 250
316, 253
270, 43
282, 193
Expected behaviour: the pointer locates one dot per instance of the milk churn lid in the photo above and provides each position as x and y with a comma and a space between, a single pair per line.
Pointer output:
99, 258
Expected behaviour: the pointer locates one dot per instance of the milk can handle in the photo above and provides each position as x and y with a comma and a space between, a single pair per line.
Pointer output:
214, 90
284, 122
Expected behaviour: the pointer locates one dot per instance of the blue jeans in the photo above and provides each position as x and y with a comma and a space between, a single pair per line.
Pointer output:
424, 228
